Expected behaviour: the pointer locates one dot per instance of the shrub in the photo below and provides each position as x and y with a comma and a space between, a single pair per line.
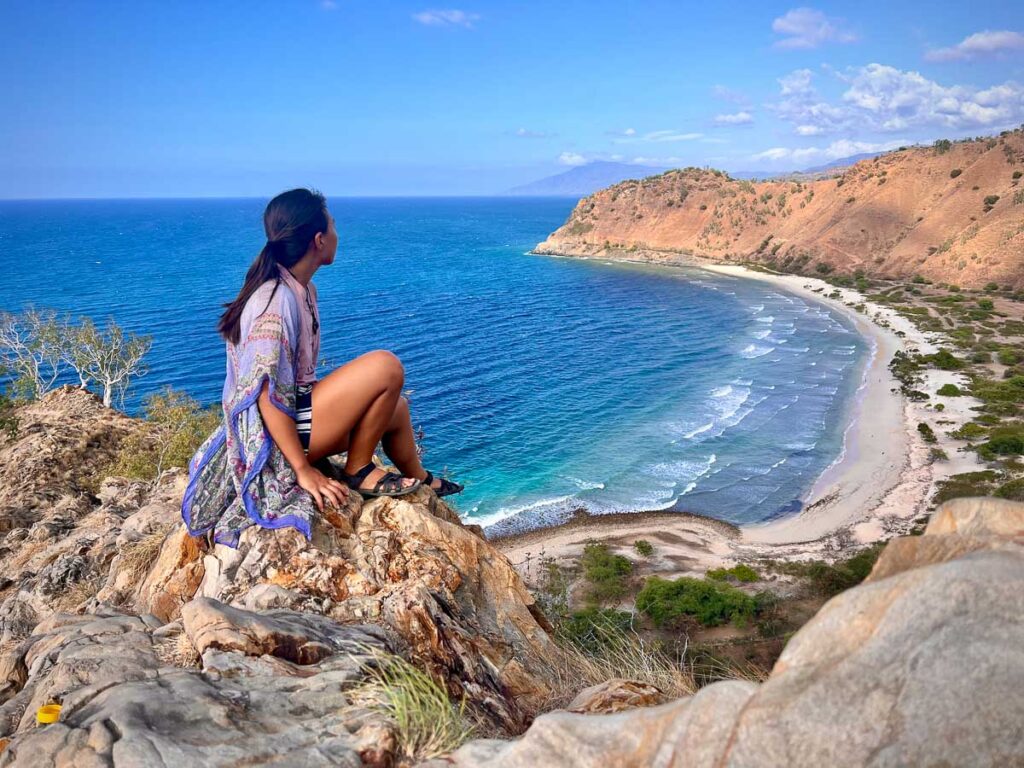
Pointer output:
823, 267
176, 426
1013, 490
607, 573
591, 628
1003, 441
946, 360
741, 572
950, 390
1008, 356
990, 201
954, 173
1017, 175
966, 484
711, 604
942, 146
829, 579
927, 433
986, 304
991, 286
643, 547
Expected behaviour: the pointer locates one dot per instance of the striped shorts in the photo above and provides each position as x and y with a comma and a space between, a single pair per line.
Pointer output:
304, 413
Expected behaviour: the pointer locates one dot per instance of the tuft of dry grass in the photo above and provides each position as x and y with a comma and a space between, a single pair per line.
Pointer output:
427, 723
615, 652
138, 557
177, 651
78, 592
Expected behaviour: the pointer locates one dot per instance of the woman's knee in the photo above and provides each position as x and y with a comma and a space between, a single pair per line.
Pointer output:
388, 365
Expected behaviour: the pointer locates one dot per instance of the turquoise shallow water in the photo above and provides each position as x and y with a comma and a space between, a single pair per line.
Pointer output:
544, 384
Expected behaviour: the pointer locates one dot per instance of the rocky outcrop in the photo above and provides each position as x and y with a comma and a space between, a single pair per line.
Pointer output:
922, 665
950, 214
112, 609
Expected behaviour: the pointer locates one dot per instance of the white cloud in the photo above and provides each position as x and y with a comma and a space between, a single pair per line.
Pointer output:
834, 151
572, 158
883, 98
738, 118
656, 161
728, 94
328, 5
628, 132
985, 43
660, 136
526, 133
809, 28
447, 18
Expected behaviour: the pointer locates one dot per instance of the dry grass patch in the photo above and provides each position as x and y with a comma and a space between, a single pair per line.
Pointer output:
427, 723
137, 557
177, 651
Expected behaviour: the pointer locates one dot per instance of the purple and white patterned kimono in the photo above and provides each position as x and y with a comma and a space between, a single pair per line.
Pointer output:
239, 477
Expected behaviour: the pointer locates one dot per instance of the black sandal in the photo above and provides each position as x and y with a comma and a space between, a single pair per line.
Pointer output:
447, 486
389, 485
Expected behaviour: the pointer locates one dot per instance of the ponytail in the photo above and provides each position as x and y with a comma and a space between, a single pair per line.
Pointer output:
291, 220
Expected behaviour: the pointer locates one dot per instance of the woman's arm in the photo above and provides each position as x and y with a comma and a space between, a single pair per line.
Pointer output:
283, 432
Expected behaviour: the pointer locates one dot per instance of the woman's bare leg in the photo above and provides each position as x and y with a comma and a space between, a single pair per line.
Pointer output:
353, 407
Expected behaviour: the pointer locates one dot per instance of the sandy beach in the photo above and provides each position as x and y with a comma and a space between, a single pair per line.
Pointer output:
882, 481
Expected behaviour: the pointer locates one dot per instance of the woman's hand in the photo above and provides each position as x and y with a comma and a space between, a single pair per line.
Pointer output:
321, 487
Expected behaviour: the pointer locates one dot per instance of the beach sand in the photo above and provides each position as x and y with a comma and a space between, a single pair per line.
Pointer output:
880, 484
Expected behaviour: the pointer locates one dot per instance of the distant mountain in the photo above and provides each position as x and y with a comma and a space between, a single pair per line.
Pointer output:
584, 180
842, 162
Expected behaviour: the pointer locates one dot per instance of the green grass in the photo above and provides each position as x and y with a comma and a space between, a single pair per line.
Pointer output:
643, 547
829, 579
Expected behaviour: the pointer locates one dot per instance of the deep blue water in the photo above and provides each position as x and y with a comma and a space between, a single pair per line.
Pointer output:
544, 384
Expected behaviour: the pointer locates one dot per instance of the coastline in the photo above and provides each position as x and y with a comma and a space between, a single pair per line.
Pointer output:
880, 484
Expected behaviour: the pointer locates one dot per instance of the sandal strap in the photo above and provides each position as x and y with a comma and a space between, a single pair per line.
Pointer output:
391, 482
356, 478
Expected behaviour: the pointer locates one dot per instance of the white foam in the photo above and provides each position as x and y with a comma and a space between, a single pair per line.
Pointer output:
754, 350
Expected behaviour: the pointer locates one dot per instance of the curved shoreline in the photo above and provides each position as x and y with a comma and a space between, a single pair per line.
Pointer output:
880, 483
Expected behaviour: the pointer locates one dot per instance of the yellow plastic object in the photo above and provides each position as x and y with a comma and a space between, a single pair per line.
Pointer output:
48, 713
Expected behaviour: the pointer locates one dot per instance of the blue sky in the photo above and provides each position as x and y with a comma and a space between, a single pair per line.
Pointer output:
122, 99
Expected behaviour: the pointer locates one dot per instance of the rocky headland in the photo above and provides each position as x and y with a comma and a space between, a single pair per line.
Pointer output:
949, 212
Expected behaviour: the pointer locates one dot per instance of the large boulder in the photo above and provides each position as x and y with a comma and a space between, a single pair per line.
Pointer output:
408, 564
125, 704
922, 665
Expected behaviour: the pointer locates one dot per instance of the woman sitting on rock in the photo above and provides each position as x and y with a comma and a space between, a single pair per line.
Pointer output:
266, 464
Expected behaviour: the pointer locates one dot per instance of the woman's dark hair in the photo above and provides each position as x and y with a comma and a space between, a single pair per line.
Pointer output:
291, 221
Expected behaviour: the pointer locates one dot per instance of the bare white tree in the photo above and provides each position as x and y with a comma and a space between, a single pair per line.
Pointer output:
110, 357
31, 347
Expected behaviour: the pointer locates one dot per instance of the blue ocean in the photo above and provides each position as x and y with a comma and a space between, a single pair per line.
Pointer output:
544, 384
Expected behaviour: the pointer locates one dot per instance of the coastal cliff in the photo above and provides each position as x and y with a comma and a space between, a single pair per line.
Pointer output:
163, 650
952, 212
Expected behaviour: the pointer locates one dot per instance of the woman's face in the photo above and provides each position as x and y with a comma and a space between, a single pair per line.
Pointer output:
329, 241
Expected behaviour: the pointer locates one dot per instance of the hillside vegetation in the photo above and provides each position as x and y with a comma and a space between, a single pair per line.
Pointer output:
953, 211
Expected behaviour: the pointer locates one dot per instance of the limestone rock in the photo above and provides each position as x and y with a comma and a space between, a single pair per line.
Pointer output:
123, 706
615, 695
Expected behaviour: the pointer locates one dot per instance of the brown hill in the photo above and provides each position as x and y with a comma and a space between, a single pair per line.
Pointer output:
952, 212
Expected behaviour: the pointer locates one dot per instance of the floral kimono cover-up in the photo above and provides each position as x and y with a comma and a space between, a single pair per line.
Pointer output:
239, 477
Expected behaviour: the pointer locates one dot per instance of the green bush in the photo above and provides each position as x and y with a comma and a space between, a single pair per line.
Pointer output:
828, 579
176, 426
1013, 490
986, 304
945, 360
991, 286
741, 572
607, 573
1008, 356
966, 484
1017, 175
942, 146
643, 547
710, 603
950, 390
1003, 441
823, 267
927, 433
954, 173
